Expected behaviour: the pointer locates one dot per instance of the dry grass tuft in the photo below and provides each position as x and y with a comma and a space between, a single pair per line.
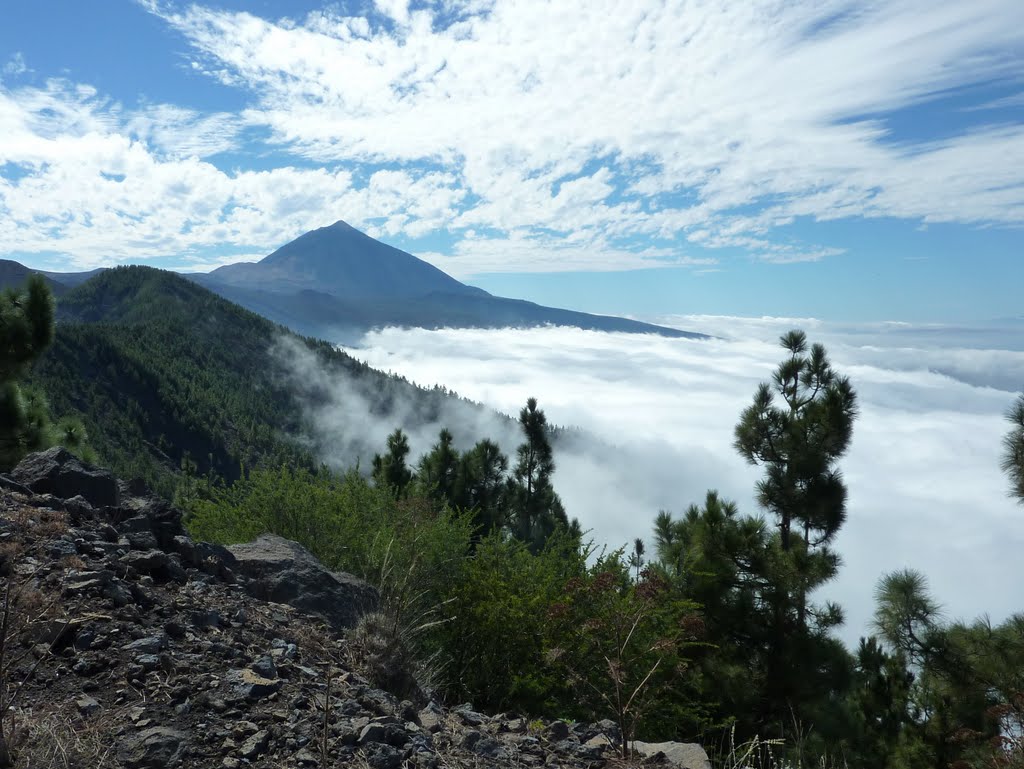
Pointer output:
383, 654
58, 740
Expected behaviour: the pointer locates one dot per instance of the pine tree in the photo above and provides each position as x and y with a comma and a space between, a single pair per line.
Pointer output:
723, 561
797, 428
799, 443
538, 510
879, 704
481, 486
391, 470
26, 330
1013, 454
636, 557
437, 474
969, 690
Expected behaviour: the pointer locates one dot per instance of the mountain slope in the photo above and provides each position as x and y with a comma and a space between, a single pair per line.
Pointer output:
162, 370
14, 274
337, 279
189, 655
343, 262
315, 313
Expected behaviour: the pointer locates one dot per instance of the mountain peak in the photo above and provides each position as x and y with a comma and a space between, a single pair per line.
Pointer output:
342, 261
336, 278
341, 224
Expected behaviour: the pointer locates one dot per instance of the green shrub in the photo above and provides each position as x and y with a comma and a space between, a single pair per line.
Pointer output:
498, 609
404, 546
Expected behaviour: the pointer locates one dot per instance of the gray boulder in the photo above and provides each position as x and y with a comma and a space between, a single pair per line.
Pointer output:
250, 685
58, 472
7, 483
682, 755
283, 571
155, 748
140, 512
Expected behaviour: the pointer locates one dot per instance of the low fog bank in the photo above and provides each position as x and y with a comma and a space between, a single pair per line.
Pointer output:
351, 417
656, 418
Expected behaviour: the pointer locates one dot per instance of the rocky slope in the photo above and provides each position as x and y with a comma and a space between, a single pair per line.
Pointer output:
128, 644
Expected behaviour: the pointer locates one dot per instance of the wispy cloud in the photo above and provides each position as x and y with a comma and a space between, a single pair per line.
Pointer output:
1006, 102
15, 65
520, 251
566, 118
635, 136
104, 184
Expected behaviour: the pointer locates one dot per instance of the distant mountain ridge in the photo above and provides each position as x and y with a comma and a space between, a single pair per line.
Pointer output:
14, 274
341, 261
336, 283
336, 278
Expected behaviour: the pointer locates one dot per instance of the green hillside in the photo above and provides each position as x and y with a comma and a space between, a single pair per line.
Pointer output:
159, 368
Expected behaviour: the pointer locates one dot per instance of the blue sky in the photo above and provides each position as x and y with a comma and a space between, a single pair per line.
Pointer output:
842, 160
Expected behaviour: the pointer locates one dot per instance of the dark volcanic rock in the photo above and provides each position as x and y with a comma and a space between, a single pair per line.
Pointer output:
171, 657
87, 706
681, 755
138, 507
154, 748
558, 731
254, 746
249, 685
283, 571
149, 645
156, 563
381, 756
59, 472
264, 667
10, 485
206, 556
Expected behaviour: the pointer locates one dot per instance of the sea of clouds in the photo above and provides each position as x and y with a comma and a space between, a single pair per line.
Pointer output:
656, 417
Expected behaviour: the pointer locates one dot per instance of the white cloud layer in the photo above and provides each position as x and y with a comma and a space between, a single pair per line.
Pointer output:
584, 134
923, 471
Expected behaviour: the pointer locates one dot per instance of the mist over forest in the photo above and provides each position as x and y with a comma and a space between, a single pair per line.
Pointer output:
656, 417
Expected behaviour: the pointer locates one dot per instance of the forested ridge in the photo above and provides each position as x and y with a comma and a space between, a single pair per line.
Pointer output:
166, 375
714, 627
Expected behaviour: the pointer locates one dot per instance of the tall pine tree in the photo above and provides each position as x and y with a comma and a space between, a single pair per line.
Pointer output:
797, 428
799, 441
26, 330
481, 486
437, 474
391, 469
537, 509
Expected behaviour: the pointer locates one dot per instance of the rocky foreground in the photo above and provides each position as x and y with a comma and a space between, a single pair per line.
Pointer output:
128, 644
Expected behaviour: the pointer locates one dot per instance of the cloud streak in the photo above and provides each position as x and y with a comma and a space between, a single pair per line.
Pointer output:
590, 119
106, 184
538, 136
